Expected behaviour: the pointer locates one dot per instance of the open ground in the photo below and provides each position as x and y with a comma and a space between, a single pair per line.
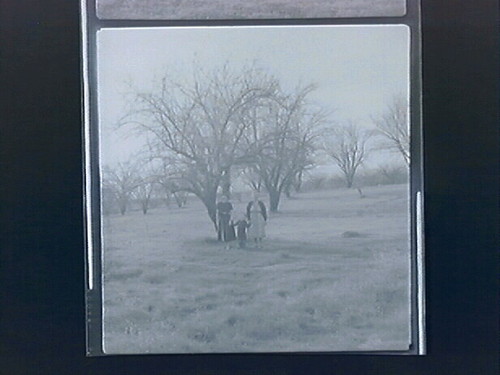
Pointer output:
333, 276
234, 9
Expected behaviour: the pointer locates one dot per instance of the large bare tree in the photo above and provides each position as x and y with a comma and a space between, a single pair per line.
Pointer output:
393, 124
347, 148
198, 124
281, 140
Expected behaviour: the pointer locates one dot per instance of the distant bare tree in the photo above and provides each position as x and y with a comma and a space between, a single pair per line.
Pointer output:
120, 182
348, 149
144, 191
167, 174
173, 188
198, 125
281, 140
298, 180
394, 126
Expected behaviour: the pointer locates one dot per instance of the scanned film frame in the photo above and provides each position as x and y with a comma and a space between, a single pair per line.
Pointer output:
241, 9
246, 196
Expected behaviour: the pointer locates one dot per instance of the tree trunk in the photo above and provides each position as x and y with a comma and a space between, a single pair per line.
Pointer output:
288, 189
122, 203
210, 202
212, 213
274, 200
349, 179
298, 182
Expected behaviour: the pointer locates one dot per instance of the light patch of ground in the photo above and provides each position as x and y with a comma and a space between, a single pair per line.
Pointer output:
235, 9
169, 287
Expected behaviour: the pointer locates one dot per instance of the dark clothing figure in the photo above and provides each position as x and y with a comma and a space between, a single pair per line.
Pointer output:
223, 218
241, 232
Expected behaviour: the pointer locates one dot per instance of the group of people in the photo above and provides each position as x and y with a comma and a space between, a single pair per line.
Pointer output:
248, 226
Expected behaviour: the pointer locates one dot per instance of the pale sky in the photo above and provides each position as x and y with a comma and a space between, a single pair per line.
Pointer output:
358, 69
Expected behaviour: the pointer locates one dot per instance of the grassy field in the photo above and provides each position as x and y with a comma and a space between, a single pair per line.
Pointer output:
234, 9
333, 275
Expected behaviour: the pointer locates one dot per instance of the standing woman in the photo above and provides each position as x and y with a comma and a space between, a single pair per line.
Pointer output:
257, 215
224, 209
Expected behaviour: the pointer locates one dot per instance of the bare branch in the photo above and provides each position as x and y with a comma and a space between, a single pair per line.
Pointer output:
393, 124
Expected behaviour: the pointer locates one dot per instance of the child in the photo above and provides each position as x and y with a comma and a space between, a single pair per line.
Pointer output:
241, 231
229, 235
